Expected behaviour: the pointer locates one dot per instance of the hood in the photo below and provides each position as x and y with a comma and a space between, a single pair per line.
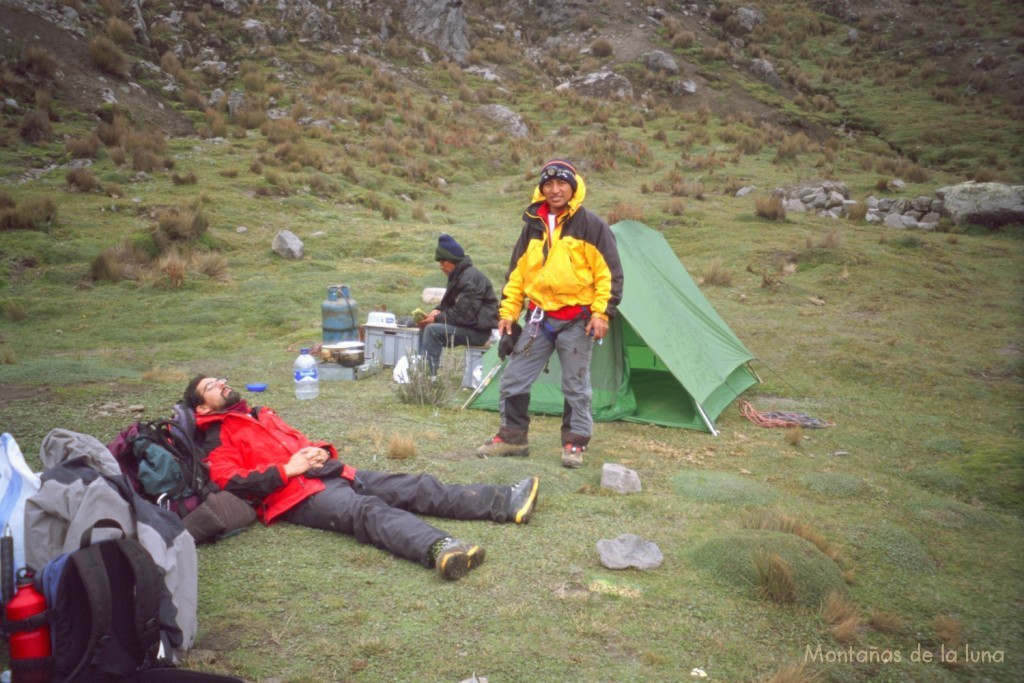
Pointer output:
61, 445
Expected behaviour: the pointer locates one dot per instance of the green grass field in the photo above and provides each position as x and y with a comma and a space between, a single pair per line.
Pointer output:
907, 511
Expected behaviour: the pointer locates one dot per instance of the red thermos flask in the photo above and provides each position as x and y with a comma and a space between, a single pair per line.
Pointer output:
26, 645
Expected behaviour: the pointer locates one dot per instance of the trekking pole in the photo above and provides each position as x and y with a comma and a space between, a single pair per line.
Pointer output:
483, 383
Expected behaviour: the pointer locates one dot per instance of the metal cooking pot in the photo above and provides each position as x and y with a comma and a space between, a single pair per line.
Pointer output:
350, 354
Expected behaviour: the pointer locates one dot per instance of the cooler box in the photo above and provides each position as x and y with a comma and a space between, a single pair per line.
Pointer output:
388, 343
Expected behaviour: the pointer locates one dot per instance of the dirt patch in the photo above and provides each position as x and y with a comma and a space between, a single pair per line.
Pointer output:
79, 86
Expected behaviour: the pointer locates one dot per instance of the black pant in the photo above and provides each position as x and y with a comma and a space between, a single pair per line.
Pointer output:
380, 508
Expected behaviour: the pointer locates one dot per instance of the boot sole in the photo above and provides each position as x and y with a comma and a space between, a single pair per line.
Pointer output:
482, 452
454, 565
524, 513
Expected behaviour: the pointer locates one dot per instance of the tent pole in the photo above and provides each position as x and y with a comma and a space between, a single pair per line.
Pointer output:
754, 373
703, 416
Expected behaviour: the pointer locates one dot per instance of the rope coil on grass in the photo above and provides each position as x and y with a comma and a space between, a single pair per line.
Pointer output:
780, 419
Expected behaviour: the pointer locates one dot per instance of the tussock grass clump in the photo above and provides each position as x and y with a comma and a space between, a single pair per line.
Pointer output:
795, 673
173, 266
857, 212
35, 126
625, 211
282, 130
83, 148
212, 265
801, 575
885, 622
36, 213
793, 145
776, 521
948, 630
832, 238
81, 180
7, 201
794, 435
186, 179
120, 31
402, 448
184, 225
38, 65
601, 48
774, 578
770, 208
716, 275
108, 57
14, 311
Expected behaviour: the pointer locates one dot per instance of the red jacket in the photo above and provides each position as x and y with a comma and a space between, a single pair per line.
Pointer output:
247, 451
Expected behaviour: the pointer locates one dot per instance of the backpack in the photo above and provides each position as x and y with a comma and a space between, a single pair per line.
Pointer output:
163, 460
103, 608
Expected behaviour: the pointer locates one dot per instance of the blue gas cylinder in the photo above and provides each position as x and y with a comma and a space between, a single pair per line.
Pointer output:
340, 315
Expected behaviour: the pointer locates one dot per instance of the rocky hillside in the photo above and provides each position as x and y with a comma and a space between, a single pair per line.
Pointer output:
799, 65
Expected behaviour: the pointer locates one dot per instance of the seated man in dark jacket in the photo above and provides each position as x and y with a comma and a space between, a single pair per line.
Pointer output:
468, 310
256, 455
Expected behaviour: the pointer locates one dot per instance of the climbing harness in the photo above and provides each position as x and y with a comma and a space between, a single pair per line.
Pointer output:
779, 419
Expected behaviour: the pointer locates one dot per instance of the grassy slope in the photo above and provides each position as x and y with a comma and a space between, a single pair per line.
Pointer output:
915, 355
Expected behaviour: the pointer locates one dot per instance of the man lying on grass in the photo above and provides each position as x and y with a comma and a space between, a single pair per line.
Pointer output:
256, 455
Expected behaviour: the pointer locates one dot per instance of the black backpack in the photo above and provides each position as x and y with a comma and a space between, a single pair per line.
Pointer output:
103, 607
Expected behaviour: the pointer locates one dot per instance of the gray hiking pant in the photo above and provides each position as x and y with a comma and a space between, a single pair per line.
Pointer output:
529, 358
380, 508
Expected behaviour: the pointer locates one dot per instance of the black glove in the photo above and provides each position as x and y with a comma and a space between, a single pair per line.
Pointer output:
508, 341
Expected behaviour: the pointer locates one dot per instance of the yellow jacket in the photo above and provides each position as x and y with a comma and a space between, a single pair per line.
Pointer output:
578, 266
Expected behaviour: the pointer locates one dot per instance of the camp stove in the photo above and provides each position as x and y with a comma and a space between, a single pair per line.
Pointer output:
334, 372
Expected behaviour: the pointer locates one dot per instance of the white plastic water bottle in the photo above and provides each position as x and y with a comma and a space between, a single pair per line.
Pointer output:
307, 379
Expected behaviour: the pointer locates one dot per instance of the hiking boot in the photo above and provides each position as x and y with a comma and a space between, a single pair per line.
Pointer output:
523, 500
572, 455
496, 446
454, 558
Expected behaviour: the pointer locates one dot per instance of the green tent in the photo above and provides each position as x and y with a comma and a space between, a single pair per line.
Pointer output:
669, 359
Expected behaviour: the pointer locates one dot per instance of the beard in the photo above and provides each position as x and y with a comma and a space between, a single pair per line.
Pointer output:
231, 398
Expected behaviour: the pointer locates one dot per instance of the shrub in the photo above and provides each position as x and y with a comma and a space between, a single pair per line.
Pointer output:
601, 48
81, 180
108, 57
35, 126
33, 214
771, 207
422, 389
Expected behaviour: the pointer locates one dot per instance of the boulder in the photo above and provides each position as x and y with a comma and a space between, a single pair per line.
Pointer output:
629, 550
287, 244
619, 478
511, 122
441, 23
600, 85
659, 61
763, 70
988, 204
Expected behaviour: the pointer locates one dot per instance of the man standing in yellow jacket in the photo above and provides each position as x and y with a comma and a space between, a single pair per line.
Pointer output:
565, 271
